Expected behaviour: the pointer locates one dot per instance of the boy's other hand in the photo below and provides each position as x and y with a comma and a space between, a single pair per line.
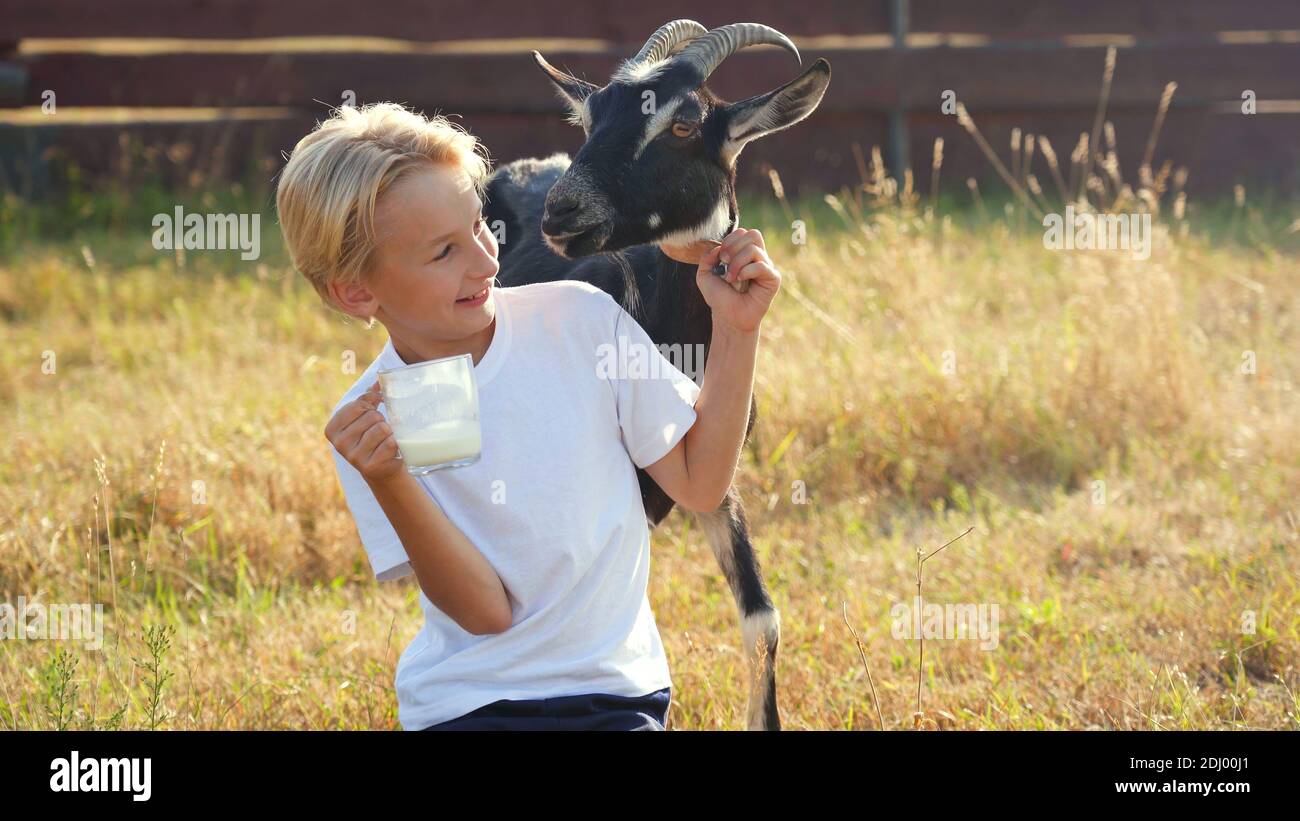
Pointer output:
362, 436
746, 259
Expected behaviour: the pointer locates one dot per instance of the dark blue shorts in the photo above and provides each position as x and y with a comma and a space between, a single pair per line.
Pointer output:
592, 711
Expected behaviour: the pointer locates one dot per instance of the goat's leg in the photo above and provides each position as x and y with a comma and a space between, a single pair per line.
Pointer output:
760, 622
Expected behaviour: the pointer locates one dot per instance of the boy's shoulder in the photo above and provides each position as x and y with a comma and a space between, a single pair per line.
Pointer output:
573, 303
559, 291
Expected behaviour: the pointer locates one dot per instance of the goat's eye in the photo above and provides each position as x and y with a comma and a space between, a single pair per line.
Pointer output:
684, 130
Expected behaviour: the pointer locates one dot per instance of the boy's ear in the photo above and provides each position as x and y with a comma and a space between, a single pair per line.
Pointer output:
354, 299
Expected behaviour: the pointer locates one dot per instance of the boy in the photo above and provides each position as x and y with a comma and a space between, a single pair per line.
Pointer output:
533, 563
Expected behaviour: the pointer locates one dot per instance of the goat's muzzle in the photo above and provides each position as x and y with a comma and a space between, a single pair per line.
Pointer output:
574, 226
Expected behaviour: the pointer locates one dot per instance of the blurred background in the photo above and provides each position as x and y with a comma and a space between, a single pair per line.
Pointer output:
1116, 433
223, 86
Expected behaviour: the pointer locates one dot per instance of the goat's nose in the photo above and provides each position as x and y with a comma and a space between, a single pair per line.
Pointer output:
560, 210
564, 205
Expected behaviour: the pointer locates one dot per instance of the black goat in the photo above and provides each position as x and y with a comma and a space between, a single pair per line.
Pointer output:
656, 177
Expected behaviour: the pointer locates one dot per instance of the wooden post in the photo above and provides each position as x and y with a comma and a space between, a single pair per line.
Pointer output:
897, 152
13, 76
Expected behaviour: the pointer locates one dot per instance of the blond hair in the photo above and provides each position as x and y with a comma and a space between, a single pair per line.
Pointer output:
328, 190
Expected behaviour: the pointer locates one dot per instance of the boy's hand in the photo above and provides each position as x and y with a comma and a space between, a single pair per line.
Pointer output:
362, 436
747, 261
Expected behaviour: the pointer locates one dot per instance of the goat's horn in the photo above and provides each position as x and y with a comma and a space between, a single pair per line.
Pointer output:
707, 52
663, 40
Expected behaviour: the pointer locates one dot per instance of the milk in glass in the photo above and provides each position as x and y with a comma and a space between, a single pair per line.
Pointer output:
433, 410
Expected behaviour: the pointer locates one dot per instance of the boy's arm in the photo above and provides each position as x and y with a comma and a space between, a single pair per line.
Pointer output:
712, 445
697, 472
452, 572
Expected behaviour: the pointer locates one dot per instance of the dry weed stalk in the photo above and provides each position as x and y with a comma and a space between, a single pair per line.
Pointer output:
921, 558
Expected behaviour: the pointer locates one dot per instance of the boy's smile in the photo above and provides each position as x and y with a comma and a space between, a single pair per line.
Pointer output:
475, 300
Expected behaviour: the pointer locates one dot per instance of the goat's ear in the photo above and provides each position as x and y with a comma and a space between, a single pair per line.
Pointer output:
767, 113
573, 91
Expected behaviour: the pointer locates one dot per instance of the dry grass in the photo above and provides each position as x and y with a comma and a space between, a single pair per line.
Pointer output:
918, 375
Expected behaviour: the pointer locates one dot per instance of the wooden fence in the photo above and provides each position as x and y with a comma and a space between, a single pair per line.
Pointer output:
225, 86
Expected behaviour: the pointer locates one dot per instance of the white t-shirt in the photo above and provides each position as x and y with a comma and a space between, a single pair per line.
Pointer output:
553, 505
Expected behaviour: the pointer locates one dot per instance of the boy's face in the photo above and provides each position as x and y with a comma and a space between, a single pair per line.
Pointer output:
434, 249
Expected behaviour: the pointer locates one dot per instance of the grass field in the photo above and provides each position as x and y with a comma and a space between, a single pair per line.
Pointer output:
1122, 435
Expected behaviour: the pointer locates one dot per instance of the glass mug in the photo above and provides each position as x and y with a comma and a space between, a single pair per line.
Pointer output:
433, 410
